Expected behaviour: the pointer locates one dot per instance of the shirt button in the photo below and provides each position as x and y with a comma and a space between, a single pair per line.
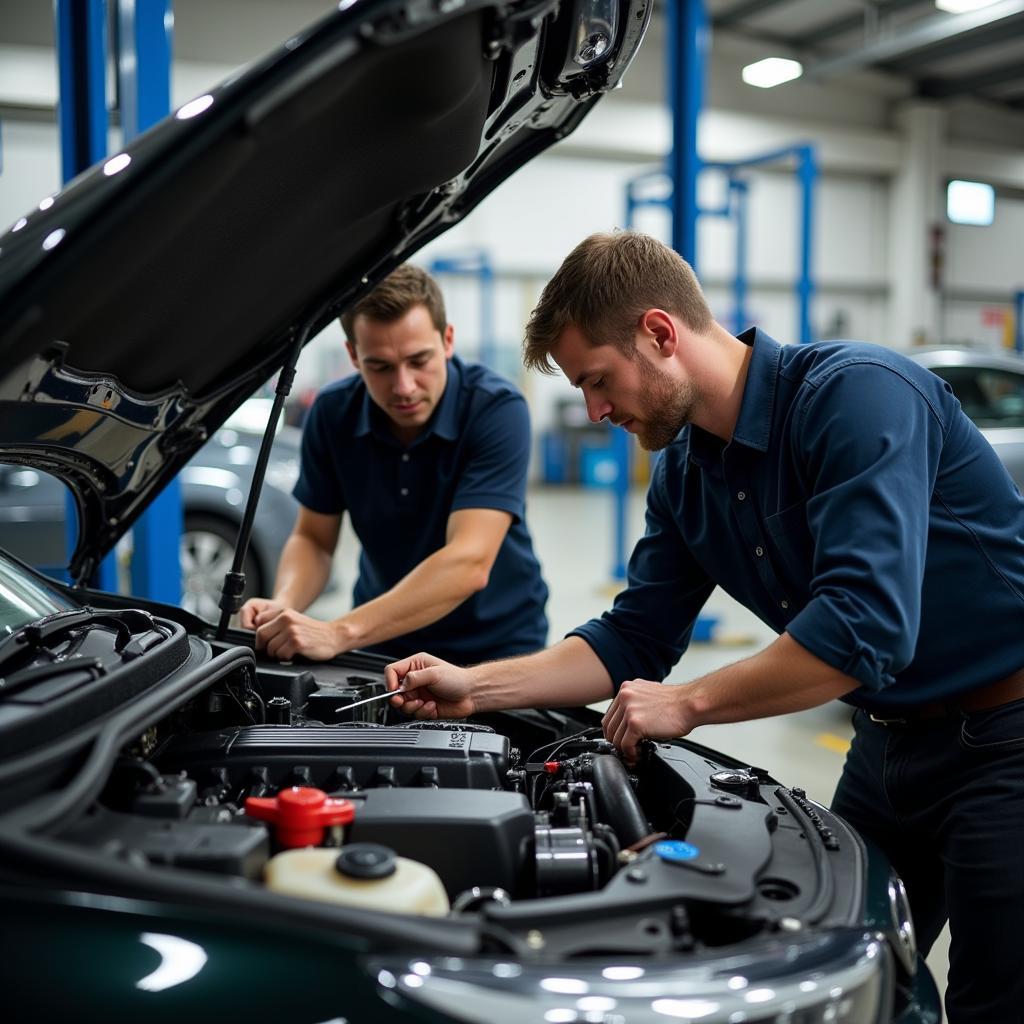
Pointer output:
759, 552
404, 491
741, 495
785, 604
405, 456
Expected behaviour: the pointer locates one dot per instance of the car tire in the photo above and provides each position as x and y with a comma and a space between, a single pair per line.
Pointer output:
207, 550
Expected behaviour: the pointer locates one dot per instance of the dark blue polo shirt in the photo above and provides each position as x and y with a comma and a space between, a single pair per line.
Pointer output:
472, 453
856, 508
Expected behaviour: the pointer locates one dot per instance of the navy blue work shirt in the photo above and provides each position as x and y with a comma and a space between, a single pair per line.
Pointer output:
472, 453
856, 508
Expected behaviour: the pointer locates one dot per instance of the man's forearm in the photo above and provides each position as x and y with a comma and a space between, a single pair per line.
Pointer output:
437, 586
569, 674
302, 573
782, 678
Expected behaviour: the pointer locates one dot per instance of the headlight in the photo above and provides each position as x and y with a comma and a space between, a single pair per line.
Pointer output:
902, 938
282, 474
834, 978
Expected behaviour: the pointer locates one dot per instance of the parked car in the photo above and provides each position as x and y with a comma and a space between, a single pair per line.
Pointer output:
188, 830
214, 484
990, 387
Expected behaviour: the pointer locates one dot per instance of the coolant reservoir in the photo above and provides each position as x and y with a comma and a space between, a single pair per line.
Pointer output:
364, 875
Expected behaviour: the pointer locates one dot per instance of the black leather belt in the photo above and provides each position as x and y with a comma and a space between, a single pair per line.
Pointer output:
993, 695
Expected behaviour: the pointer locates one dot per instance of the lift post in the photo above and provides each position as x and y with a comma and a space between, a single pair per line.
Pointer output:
1018, 325
144, 84
476, 263
82, 114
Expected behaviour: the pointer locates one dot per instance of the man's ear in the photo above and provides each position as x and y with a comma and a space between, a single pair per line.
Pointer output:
661, 331
448, 340
351, 349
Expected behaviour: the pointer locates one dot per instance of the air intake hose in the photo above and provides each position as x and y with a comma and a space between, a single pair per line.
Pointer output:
617, 804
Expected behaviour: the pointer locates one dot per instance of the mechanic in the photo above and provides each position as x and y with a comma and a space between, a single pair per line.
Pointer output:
840, 493
428, 455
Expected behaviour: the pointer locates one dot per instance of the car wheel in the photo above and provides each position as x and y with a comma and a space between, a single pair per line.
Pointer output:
207, 549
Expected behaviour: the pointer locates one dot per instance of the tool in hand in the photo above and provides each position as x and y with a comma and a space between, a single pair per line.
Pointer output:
366, 700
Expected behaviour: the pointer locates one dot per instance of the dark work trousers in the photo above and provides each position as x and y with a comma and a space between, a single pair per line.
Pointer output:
944, 798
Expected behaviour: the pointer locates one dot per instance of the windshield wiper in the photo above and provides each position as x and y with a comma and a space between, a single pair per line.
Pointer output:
40, 635
28, 677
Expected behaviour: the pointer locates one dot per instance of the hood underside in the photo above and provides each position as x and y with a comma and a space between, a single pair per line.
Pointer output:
159, 289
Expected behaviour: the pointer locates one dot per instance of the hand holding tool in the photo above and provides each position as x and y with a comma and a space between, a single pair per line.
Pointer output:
366, 700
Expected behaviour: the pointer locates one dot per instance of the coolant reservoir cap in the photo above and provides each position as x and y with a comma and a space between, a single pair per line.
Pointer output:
675, 851
366, 860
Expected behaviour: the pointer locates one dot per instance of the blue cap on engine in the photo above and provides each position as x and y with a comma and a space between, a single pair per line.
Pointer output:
676, 851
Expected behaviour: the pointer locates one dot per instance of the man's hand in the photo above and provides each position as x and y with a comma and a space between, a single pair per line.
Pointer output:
432, 688
284, 632
645, 710
258, 610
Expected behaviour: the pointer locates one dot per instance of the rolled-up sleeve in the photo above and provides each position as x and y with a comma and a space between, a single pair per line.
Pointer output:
649, 626
870, 443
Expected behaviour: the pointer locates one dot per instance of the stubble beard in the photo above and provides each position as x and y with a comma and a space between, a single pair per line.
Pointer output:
667, 407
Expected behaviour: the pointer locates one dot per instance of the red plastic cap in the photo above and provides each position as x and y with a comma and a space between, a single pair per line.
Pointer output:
551, 767
300, 814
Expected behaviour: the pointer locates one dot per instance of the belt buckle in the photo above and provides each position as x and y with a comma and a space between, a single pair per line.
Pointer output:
886, 719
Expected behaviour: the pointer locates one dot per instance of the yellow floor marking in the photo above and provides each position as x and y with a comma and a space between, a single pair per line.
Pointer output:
830, 741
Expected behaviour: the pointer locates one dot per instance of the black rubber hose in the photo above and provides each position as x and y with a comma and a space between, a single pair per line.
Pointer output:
617, 804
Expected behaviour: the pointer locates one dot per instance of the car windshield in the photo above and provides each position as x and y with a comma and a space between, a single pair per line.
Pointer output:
991, 397
23, 599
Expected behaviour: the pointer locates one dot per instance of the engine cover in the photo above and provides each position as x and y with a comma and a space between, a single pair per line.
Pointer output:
336, 758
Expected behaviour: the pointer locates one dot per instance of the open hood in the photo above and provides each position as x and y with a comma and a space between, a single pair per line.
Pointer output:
159, 289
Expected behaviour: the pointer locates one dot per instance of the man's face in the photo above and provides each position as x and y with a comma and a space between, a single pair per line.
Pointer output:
404, 363
639, 394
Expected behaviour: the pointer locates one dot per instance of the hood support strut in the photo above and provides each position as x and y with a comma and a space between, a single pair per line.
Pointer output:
234, 581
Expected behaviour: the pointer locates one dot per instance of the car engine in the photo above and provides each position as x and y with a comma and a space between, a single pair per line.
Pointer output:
172, 751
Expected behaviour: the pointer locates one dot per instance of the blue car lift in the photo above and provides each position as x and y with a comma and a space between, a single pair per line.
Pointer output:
144, 63
476, 263
687, 43
1018, 322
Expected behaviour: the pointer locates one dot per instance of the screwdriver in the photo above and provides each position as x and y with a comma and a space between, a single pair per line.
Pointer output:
366, 700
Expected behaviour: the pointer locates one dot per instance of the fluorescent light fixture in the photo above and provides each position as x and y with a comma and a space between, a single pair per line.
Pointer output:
962, 6
970, 202
772, 71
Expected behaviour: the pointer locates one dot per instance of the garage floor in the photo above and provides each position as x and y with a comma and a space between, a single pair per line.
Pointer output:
572, 531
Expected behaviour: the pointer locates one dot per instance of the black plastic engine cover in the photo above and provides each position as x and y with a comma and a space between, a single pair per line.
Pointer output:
335, 757
468, 838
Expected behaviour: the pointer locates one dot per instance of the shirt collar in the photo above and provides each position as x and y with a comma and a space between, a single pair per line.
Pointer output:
754, 423
444, 422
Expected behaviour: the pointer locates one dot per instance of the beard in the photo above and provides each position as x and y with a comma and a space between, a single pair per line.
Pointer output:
666, 406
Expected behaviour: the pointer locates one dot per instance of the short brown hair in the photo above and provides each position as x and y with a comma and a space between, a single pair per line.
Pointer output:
405, 287
604, 286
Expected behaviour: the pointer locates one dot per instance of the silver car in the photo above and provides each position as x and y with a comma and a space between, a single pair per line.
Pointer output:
214, 487
990, 387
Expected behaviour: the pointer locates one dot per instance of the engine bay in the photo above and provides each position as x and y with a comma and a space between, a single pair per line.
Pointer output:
184, 755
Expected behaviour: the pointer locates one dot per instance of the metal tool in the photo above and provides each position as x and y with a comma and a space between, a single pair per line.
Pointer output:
366, 700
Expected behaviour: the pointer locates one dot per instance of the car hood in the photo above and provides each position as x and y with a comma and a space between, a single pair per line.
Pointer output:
159, 289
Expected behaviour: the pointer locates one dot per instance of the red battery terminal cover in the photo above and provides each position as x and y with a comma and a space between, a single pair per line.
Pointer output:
300, 814
551, 767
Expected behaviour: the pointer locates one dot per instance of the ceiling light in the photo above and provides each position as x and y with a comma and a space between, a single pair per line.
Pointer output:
772, 71
970, 202
962, 6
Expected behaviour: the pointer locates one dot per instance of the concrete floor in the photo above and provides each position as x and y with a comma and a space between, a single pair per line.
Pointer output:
573, 538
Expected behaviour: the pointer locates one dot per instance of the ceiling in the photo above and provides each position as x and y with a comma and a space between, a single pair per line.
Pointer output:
978, 54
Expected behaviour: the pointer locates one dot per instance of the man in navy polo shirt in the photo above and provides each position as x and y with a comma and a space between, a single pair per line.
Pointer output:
839, 492
428, 455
